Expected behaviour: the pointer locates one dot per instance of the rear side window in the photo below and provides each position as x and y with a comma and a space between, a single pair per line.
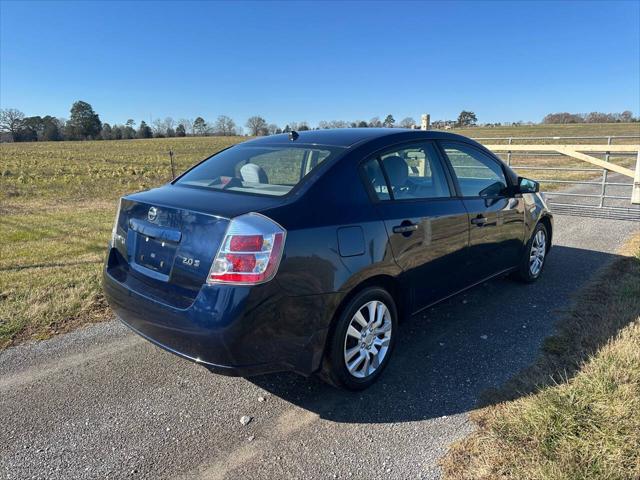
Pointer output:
478, 174
272, 171
413, 172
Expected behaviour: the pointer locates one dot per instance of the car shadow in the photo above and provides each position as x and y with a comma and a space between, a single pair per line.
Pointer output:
446, 357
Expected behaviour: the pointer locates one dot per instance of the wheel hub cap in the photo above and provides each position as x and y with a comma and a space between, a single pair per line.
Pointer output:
367, 340
537, 253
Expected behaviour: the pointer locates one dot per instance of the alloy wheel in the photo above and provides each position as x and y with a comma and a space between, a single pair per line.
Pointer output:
367, 339
537, 253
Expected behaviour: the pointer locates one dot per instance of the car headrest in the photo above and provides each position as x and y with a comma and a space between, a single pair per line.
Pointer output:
375, 174
397, 170
253, 173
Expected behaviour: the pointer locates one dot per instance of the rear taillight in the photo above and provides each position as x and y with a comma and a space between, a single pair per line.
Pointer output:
250, 252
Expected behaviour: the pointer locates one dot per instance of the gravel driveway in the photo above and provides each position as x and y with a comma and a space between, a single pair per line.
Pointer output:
101, 402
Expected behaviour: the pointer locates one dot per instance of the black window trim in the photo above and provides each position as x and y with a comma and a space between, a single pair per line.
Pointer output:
453, 191
486, 153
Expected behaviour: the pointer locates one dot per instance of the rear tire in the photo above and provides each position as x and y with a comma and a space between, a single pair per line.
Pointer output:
362, 341
534, 256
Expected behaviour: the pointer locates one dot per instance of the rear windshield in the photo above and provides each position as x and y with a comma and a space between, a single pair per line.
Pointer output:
265, 170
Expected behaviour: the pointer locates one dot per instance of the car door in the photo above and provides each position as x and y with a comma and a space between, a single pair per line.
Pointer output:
496, 217
428, 227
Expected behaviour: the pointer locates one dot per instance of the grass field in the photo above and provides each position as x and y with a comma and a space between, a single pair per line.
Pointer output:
57, 202
574, 130
57, 205
574, 413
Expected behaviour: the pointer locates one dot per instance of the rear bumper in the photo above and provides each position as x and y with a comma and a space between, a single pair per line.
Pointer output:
230, 370
239, 331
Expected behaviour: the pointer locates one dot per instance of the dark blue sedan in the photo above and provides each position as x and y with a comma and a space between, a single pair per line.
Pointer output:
301, 252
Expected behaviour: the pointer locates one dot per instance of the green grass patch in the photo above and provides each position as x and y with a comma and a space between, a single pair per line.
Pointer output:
574, 413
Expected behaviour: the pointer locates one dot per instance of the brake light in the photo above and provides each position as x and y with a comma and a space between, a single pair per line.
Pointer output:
250, 252
246, 243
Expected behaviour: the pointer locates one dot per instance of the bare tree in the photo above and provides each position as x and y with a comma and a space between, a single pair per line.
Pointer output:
158, 127
563, 117
257, 125
224, 126
338, 124
11, 121
272, 128
407, 122
169, 123
375, 122
187, 124
626, 116
599, 117
164, 127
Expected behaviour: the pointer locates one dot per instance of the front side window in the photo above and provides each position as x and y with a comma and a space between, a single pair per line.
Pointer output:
268, 170
478, 174
413, 172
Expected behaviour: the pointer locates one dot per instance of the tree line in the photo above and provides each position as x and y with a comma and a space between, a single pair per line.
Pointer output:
85, 124
593, 117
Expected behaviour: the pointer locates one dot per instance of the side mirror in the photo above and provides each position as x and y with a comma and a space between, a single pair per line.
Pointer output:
526, 185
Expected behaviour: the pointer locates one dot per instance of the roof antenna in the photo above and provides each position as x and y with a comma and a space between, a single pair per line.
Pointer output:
293, 135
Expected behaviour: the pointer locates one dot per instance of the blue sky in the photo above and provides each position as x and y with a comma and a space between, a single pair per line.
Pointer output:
296, 61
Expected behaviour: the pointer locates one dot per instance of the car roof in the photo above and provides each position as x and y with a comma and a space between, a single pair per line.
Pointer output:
349, 137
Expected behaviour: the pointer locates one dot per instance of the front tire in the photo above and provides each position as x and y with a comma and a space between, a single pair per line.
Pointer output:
362, 340
535, 255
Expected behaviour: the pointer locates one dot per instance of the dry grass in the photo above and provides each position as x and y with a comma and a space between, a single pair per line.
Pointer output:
57, 202
574, 413
575, 130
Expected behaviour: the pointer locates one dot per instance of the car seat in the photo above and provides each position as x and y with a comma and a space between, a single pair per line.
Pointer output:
252, 173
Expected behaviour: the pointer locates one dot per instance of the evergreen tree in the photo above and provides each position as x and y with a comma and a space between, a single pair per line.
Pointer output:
144, 131
83, 123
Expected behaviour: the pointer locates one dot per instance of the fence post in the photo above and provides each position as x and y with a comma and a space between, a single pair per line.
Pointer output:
605, 173
509, 153
635, 194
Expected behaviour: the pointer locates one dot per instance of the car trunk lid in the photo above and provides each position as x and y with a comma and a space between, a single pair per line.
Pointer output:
168, 237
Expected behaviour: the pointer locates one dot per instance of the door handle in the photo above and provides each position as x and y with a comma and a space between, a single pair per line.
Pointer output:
480, 220
412, 227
